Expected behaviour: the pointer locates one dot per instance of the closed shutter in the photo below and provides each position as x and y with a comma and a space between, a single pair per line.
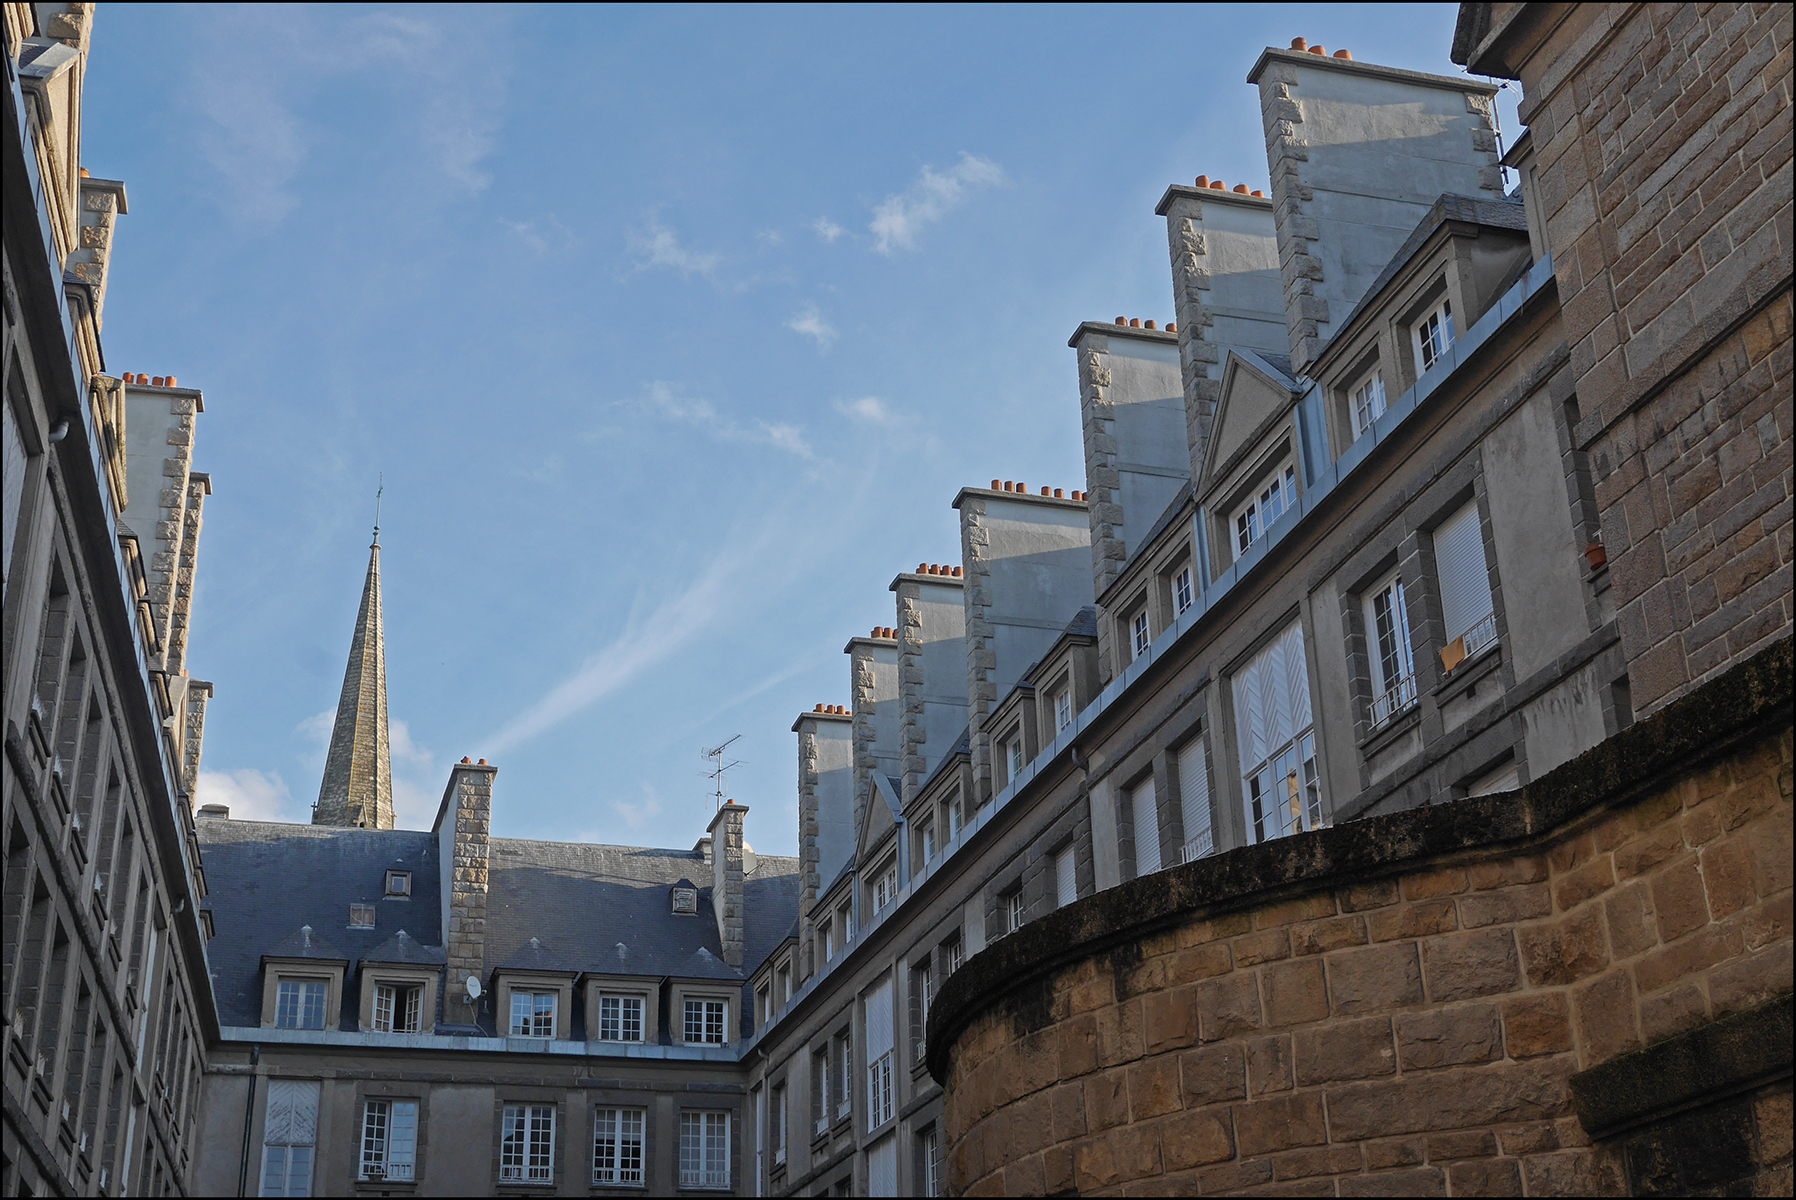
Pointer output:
1194, 799
1464, 578
1272, 698
879, 1020
882, 1167
1147, 828
1066, 881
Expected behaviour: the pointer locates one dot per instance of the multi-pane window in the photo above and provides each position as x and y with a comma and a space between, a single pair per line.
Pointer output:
527, 1143
617, 1146
829, 941
1063, 707
533, 1014
1393, 668
705, 1149
778, 1125
1066, 878
846, 912
1013, 753
929, 1156
1282, 792
954, 818
1013, 910
922, 988
1265, 506
880, 1052
1433, 337
784, 978
820, 1074
1466, 608
952, 955
885, 886
1367, 402
1138, 639
928, 841
389, 1139
1194, 799
620, 1018
299, 1003
289, 1136
845, 1076
703, 1022
397, 1008
1183, 591
1144, 815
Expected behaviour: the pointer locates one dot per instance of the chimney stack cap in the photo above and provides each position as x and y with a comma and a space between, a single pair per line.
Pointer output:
1298, 43
465, 759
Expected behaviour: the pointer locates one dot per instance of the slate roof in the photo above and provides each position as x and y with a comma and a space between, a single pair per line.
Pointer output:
604, 909
304, 943
403, 948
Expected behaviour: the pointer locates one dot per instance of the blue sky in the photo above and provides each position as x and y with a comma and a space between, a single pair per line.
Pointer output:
673, 331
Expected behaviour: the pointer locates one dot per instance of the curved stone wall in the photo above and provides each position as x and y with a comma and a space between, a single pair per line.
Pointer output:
1414, 1004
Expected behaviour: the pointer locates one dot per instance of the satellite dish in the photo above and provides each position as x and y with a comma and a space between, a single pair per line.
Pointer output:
473, 989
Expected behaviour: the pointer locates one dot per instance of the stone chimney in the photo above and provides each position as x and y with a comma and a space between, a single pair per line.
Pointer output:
726, 878
1132, 412
873, 689
1027, 566
463, 828
1226, 291
932, 669
1358, 154
825, 811
158, 456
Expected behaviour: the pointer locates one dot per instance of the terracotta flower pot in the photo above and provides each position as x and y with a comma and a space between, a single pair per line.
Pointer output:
1596, 554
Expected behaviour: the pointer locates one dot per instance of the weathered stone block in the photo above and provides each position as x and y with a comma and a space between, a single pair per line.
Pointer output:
1536, 1025
1463, 1034
1374, 979
1464, 966
1345, 1050
1564, 951
1280, 1123
1295, 992
1213, 1074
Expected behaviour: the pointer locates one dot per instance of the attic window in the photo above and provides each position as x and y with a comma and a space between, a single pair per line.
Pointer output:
685, 900
399, 883
361, 916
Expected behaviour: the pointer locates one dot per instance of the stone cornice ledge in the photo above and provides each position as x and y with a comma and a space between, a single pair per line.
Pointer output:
1748, 701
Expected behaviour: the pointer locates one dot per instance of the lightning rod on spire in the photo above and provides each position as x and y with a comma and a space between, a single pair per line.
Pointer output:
377, 494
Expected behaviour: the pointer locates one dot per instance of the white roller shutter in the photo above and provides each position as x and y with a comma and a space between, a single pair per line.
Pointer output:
1272, 698
879, 1020
1066, 880
882, 1167
1147, 828
1194, 799
1464, 577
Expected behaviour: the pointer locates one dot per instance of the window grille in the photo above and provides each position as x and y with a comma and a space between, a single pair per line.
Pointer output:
1183, 593
703, 1022
1368, 404
620, 1018
705, 1149
617, 1145
299, 1003
1265, 507
533, 1014
1433, 337
389, 1139
527, 1147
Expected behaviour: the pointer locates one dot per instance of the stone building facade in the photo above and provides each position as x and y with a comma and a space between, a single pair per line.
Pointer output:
105, 1001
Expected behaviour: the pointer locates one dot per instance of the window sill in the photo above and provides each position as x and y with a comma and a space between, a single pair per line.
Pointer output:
1381, 739
1466, 676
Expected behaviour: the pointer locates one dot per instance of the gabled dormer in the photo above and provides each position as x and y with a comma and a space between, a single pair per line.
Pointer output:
1253, 473
1460, 260
302, 983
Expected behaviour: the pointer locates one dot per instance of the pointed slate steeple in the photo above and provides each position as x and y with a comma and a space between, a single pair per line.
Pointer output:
358, 774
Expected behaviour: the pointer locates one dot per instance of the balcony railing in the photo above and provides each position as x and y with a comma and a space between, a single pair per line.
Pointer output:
1201, 846
1394, 700
1481, 635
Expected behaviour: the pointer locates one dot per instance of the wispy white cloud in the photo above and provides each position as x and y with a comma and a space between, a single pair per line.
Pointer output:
252, 795
264, 66
771, 237
702, 415
827, 229
635, 816
898, 218
868, 410
659, 246
811, 322
542, 235
655, 632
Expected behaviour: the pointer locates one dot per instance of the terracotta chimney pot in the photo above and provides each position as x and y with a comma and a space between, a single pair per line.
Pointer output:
1134, 322
1241, 189
1059, 494
994, 485
1171, 328
156, 380
1260, 194
84, 173
1122, 320
1203, 181
464, 758
1216, 185
957, 570
483, 762
1299, 44
171, 381
1319, 50
1148, 324
1344, 55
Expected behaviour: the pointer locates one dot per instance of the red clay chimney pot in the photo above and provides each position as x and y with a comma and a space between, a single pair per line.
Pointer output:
1203, 181
1148, 324
1319, 50
1344, 55
465, 758
1059, 494
1134, 322
1299, 44
1241, 189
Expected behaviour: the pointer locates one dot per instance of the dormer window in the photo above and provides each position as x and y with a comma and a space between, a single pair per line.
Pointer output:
399, 883
1367, 401
1183, 593
885, 886
620, 1018
532, 1014
1138, 637
1267, 503
299, 1003
1063, 707
1013, 754
1433, 336
685, 900
397, 1008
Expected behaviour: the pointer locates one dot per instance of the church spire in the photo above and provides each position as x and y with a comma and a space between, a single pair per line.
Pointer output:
358, 774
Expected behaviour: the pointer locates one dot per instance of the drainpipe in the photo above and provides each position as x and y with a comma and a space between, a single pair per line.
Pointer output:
249, 1114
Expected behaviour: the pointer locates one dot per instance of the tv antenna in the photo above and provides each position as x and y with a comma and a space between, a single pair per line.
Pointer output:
715, 754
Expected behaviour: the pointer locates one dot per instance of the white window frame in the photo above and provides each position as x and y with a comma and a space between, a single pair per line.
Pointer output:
885, 886
623, 1002
1389, 649
928, 840
1184, 590
618, 1142
1366, 402
932, 1162
845, 1064
289, 1138
712, 1021
296, 1000
1063, 707
880, 1098
1468, 608
1139, 640
777, 1124
1281, 789
821, 1070
704, 1148
1273, 496
534, 1022
829, 941
1432, 336
1013, 754
392, 1014
531, 1157
1013, 910
389, 1140
956, 818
